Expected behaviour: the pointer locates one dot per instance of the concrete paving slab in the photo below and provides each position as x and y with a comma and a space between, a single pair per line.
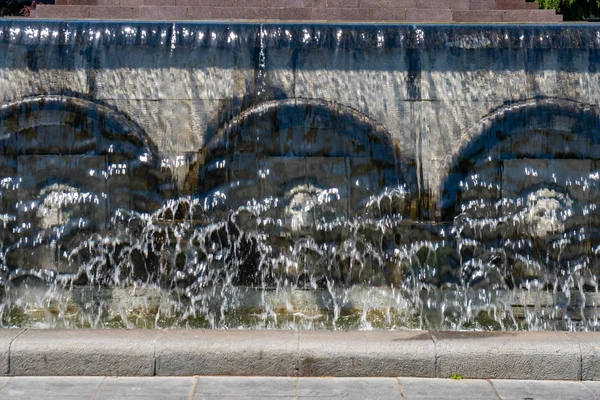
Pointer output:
204, 397
593, 387
377, 354
49, 388
146, 388
245, 387
507, 355
519, 389
589, 343
233, 388
4, 380
349, 388
423, 388
245, 353
83, 352
6, 338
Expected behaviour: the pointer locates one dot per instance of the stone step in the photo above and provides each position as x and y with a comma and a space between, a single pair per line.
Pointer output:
242, 13
406, 4
420, 15
482, 5
488, 5
460, 4
516, 5
122, 3
59, 11
506, 16
386, 4
531, 16
365, 4
192, 12
352, 4
477, 16
455, 5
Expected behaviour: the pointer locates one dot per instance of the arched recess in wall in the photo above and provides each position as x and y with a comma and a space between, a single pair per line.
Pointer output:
302, 147
304, 166
66, 165
523, 191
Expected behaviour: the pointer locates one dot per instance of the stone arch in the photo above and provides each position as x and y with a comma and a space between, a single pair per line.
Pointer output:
66, 165
522, 190
279, 144
309, 169
67, 115
535, 129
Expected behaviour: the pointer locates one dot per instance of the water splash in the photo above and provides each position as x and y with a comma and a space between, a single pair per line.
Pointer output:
298, 214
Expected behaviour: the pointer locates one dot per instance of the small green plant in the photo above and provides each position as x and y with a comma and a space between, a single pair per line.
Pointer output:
456, 377
572, 10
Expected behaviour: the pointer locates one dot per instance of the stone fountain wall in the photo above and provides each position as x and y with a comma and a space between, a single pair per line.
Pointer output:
202, 156
433, 88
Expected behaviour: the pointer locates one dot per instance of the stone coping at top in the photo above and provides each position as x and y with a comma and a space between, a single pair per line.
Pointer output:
483, 355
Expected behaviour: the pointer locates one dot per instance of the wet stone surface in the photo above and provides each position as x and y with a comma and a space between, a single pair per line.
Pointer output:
261, 176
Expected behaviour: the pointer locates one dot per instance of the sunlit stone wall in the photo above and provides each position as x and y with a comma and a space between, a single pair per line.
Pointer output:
201, 157
431, 87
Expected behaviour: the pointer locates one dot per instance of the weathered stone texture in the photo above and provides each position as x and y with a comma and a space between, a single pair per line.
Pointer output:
83, 352
493, 355
589, 344
427, 98
246, 353
379, 354
306, 10
481, 355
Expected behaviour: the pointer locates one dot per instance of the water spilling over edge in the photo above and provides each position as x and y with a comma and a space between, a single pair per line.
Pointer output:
297, 213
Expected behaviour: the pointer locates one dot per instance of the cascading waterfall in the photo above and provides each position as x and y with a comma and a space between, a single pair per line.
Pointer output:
296, 211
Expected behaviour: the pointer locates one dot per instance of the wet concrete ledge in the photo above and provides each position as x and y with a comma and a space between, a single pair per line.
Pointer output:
484, 355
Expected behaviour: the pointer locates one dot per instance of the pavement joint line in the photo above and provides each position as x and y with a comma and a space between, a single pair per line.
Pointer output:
400, 388
10, 348
298, 333
153, 372
97, 389
435, 348
575, 340
494, 387
196, 380
297, 387
5, 383
589, 390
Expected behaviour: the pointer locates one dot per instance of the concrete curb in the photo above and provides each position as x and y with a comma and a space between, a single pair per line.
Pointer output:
482, 355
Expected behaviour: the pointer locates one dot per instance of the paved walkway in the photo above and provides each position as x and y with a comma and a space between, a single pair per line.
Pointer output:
196, 388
